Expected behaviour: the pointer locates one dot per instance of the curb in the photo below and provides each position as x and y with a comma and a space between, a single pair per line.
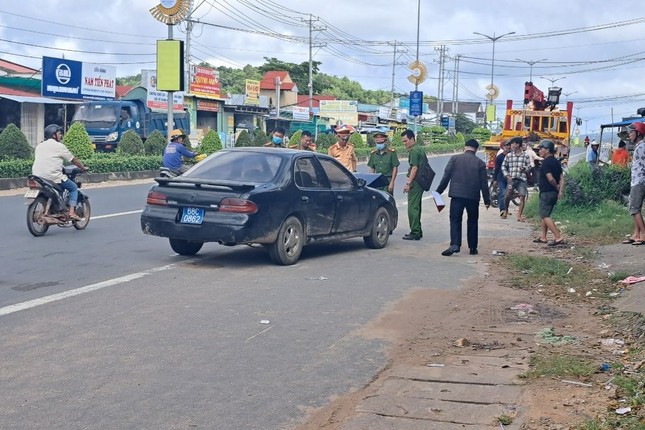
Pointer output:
88, 178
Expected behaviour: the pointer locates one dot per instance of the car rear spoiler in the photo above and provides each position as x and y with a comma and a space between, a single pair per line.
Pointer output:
197, 182
374, 180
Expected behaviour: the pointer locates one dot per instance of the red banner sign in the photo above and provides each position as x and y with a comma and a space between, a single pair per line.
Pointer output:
204, 82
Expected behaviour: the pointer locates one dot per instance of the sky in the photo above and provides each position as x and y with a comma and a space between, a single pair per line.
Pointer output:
592, 49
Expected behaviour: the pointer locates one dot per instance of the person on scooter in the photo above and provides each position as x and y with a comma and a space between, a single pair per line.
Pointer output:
50, 158
175, 150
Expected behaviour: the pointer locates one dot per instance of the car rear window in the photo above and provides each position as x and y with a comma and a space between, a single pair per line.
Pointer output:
254, 167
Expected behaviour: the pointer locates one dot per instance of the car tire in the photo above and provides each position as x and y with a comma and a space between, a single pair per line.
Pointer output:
380, 233
185, 247
288, 246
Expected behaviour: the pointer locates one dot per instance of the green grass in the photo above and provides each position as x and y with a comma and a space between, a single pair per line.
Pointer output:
605, 223
529, 270
557, 366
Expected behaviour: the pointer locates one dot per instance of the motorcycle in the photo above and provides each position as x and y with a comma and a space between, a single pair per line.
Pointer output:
167, 172
48, 204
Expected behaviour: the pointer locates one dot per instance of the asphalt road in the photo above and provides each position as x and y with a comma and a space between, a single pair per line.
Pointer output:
108, 328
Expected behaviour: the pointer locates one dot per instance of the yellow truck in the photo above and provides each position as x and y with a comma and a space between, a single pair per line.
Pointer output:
539, 118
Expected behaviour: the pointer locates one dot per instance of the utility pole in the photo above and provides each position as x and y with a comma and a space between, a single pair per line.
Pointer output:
455, 86
277, 98
442, 58
310, 84
416, 85
189, 29
394, 64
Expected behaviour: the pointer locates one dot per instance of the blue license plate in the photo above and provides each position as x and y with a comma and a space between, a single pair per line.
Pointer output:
192, 216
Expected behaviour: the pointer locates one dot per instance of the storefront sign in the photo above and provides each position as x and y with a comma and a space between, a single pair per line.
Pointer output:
204, 82
207, 105
68, 79
343, 110
252, 96
159, 99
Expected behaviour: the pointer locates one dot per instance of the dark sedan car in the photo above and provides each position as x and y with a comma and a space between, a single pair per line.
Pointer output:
281, 198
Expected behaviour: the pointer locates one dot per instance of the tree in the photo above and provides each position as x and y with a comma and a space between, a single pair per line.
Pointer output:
210, 143
130, 144
243, 139
14, 145
463, 124
260, 138
155, 143
357, 140
294, 140
78, 141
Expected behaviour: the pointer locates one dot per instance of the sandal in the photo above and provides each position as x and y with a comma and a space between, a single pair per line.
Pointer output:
521, 219
538, 240
637, 242
628, 241
557, 242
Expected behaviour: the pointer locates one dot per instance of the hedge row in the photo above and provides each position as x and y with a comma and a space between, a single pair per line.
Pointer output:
97, 164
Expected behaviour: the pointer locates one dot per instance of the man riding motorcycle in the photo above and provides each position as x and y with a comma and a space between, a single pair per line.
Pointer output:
175, 150
50, 157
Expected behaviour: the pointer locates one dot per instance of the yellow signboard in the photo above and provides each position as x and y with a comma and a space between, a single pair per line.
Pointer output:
252, 93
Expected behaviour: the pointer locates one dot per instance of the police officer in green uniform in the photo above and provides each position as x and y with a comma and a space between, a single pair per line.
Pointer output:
384, 160
416, 157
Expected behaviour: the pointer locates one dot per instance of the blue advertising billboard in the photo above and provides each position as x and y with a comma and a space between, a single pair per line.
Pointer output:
416, 103
69, 79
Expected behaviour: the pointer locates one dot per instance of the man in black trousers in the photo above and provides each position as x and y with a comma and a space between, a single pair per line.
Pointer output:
467, 176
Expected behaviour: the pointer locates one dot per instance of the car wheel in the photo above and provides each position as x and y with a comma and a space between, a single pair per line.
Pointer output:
380, 230
287, 248
185, 247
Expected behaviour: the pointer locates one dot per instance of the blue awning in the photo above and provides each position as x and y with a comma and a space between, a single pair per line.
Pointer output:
623, 123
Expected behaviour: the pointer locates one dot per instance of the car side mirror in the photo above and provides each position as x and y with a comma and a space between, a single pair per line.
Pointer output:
361, 182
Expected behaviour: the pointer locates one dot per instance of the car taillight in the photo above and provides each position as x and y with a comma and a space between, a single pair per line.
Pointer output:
32, 183
239, 206
156, 198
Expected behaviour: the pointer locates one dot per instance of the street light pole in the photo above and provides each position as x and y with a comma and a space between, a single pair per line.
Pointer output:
553, 80
531, 63
416, 85
493, 39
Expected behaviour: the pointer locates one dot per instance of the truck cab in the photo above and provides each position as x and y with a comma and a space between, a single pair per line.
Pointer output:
106, 121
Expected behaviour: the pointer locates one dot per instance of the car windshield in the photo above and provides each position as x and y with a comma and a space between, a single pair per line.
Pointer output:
253, 167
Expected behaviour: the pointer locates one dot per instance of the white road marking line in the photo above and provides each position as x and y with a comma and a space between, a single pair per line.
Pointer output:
116, 214
257, 334
82, 290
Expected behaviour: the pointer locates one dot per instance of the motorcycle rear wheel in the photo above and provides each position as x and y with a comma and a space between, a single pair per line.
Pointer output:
34, 211
84, 211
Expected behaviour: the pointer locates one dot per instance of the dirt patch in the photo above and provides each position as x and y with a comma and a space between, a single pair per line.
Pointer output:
491, 315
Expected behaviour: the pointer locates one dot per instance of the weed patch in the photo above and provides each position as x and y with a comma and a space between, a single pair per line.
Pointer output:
558, 366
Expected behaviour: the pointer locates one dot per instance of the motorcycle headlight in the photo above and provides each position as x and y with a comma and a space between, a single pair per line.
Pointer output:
112, 136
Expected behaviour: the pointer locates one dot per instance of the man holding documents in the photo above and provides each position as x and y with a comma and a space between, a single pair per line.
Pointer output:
467, 176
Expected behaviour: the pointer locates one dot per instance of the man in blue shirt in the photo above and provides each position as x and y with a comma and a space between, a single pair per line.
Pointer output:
175, 150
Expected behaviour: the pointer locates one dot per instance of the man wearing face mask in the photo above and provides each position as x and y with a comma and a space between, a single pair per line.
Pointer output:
342, 150
384, 160
277, 138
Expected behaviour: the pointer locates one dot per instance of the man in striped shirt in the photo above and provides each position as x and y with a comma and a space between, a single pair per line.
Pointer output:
515, 167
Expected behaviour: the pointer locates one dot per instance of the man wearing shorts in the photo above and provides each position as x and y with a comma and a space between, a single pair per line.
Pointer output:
551, 182
515, 168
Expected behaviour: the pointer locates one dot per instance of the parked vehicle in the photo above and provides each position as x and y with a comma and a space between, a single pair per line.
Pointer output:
48, 204
106, 121
281, 198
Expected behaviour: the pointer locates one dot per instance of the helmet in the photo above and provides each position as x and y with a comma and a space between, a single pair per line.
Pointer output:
638, 126
548, 145
51, 130
345, 128
177, 133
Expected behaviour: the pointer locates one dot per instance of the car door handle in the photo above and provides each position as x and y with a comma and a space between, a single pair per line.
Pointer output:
339, 197
305, 198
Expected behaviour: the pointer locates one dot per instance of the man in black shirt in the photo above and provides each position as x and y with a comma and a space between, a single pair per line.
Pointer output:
551, 189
